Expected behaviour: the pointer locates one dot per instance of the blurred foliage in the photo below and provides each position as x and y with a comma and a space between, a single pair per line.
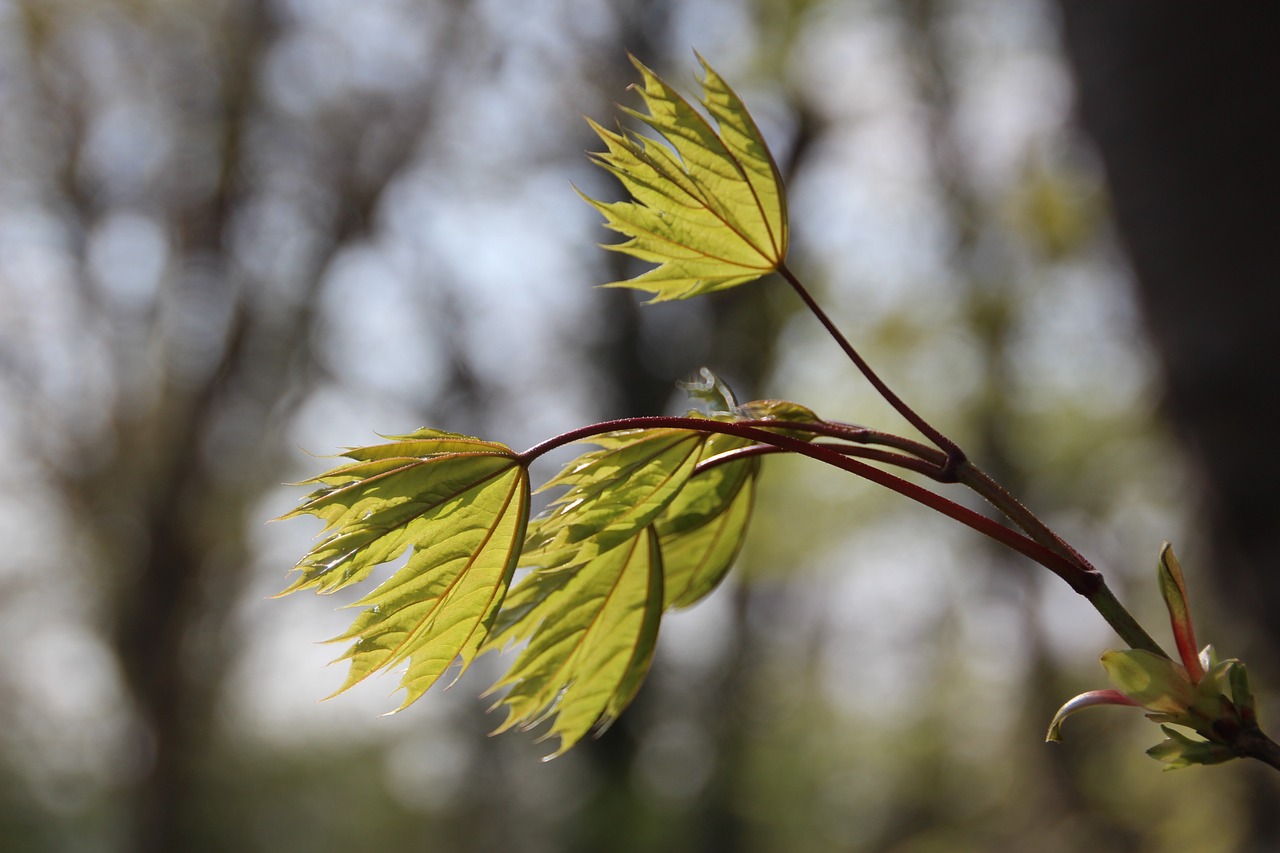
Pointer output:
226, 227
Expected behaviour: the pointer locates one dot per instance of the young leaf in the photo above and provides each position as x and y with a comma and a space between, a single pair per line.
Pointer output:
1079, 703
1178, 750
591, 630
1154, 682
614, 492
1174, 591
712, 391
1242, 694
712, 214
701, 530
462, 505
779, 410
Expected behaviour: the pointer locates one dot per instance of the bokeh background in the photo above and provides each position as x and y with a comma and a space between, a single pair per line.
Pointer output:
237, 232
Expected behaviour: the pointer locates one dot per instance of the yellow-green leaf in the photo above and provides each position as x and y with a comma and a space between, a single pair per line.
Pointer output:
461, 505
1152, 681
701, 530
779, 410
591, 631
613, 493
1179, 750
709, 210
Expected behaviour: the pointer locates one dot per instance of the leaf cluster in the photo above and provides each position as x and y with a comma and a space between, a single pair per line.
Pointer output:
639, 529
648, 521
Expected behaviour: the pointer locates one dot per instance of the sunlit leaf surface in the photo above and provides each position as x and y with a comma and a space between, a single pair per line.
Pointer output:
709, 209
591, 630
613, 493
701, 531
460, 506
649, 519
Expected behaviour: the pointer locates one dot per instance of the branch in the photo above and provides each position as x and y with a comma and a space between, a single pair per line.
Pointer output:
1085, 582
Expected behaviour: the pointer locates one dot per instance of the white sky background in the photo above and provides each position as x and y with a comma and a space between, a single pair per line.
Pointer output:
494, 223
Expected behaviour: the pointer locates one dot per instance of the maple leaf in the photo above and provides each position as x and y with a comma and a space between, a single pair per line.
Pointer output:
613, 492
710, 209
591, 630
702, 529
462, 506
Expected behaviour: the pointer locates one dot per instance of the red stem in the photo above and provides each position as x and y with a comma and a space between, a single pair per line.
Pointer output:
865, 435
1085, 582
910, 463
954, 454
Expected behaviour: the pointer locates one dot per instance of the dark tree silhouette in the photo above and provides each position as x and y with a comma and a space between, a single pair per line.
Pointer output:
1183, 107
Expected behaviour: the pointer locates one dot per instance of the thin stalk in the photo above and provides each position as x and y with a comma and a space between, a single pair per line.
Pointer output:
873, 454
998, 496
1102, 599
957, 468
954, 454
1121, 620
865, 435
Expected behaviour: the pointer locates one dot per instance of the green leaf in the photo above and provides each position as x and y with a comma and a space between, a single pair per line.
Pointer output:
461, 505
1223, 693
701, 530
1242, 694
591, 631
1180, 751
613, 493
779, 410
711, 213
1156, 683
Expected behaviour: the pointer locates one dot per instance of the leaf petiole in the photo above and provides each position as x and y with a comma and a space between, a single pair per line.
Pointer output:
865, 435
873, 454
954, 455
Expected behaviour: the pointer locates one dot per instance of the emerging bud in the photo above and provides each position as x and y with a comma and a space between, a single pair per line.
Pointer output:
1212, 698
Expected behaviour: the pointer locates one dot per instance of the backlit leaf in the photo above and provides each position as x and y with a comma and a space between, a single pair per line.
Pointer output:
780, 410
591, 630
640, 528
1152, 681
613, 493
460, 505
701, 530
709, 210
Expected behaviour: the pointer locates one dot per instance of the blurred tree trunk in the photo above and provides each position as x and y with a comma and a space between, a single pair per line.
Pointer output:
167, 513
1183, 106
651, 348
985, 272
